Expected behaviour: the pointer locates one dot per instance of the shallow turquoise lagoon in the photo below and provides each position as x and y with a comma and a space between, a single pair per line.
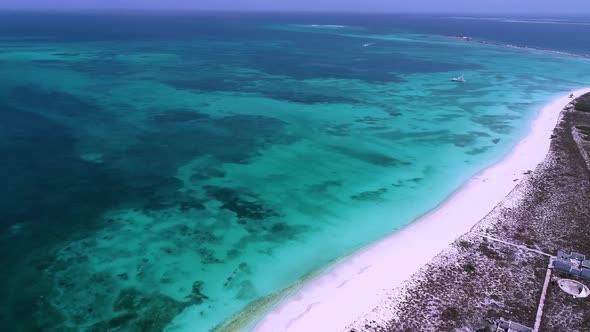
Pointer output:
168, 172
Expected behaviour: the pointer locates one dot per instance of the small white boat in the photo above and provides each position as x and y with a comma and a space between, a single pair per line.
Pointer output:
458, 79
367, 44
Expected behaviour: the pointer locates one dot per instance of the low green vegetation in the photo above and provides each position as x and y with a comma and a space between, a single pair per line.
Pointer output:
585, 131
469, 268
464, 244
583, 104
451, 314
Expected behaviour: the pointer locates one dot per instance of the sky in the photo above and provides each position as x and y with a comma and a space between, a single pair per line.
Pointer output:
547, 7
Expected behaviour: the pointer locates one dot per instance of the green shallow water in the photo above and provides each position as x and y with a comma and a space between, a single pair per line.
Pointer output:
165, 181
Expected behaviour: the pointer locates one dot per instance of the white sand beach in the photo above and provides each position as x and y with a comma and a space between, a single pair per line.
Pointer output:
355, 286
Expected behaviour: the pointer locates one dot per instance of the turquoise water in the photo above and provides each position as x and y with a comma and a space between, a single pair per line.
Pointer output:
164, 172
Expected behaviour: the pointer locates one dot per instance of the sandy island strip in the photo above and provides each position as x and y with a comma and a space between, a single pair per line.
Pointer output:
353, 287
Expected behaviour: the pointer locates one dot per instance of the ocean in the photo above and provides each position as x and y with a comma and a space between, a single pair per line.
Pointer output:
169, 171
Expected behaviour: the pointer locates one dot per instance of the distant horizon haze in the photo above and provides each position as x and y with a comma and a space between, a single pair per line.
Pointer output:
482, 7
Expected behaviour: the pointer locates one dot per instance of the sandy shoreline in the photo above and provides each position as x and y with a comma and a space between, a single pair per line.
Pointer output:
353, 287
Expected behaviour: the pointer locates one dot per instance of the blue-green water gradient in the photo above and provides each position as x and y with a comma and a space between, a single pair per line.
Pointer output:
164, 171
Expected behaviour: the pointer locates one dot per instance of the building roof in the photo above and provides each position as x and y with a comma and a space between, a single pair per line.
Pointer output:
578, 256
562, 266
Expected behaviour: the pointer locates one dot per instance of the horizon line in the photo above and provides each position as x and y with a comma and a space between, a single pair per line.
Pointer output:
277, 11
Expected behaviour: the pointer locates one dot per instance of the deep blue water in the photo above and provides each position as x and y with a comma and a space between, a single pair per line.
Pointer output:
166, 120
556, 33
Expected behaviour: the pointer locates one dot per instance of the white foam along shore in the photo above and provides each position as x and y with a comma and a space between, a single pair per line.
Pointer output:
354, 287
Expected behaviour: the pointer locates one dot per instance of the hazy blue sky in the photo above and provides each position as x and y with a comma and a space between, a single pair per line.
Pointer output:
477, 6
